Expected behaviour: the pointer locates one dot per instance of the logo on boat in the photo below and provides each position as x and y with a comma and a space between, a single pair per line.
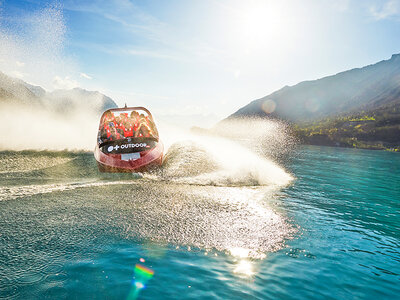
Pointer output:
126, 146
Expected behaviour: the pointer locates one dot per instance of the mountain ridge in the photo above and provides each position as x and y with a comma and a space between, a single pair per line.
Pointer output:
357, 108
17, 91
359, 88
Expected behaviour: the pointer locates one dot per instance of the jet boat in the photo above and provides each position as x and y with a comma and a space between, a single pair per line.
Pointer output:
128, 141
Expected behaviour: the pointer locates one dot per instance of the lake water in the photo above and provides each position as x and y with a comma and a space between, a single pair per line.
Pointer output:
323, 225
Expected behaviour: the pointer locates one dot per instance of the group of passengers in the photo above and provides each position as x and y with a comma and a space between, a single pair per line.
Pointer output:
123, 126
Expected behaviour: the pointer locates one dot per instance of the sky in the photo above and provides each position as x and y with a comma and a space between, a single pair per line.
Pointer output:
192, 57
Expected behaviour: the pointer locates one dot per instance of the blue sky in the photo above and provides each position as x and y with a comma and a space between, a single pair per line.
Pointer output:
192, 57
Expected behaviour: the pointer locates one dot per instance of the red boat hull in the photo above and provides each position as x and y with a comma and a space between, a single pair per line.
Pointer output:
113, 163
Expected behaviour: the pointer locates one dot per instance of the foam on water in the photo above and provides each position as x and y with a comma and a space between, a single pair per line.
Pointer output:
19, 191
215, 160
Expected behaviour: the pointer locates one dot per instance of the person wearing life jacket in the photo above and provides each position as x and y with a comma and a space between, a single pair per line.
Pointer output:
144, 131
107, 129
119, 124
134, 120
148, 121
105, 132
124, 117
128, 130
115, 133
108, 117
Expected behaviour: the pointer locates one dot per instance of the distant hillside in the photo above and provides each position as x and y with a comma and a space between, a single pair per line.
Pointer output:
16, 91
355, 108
377, 129
351, 91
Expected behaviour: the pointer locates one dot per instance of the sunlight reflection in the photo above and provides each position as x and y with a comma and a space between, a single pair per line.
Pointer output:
240, 252
244, 268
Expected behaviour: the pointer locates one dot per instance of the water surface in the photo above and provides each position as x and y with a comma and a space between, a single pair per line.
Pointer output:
327, 226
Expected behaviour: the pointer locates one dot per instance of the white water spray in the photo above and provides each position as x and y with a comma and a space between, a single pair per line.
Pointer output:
214, 160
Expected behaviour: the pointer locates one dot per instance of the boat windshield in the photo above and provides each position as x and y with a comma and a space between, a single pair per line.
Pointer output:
126, 124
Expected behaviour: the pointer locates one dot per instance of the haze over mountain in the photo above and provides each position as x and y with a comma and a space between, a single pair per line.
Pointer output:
19, 92
362, 89
33, 118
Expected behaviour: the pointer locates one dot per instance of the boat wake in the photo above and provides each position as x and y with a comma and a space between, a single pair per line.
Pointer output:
226, 164
215, 160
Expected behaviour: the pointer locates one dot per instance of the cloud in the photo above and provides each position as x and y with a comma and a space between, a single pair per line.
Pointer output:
389, 9
64, 83
86, 76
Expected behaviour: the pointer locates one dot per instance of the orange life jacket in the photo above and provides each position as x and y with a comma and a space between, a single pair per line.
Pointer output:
128, 131
108, 131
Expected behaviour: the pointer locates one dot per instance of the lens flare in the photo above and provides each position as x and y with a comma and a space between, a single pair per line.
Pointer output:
268, 106
142, 271
142, 275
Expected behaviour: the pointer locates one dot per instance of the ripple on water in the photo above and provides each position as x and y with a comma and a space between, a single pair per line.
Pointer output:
13, 162
31, 277
8, 288
55, 292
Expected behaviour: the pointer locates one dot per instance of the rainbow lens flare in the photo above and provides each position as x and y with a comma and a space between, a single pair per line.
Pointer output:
142, 274
143, 271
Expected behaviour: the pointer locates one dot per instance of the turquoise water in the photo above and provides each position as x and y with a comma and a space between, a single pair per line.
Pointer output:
68, 232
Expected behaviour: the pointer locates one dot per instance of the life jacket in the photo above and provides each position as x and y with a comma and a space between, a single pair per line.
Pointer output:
107, 130
121, 126
128, 131
147, 120
144, 131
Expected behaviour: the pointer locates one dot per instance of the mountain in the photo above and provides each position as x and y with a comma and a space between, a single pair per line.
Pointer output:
347, 92
17, 91
13, 90
78, 98
357, 108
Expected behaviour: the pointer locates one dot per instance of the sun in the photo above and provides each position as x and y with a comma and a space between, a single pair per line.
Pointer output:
259, 19
259, 23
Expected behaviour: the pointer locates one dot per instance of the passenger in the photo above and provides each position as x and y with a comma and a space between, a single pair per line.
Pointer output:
135, 120
106, 118
110, 117
144, 131
150, 122
134, 115
124, 117
105, 132
115, 133
128, 128
119, 123
141, 117
147, 120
